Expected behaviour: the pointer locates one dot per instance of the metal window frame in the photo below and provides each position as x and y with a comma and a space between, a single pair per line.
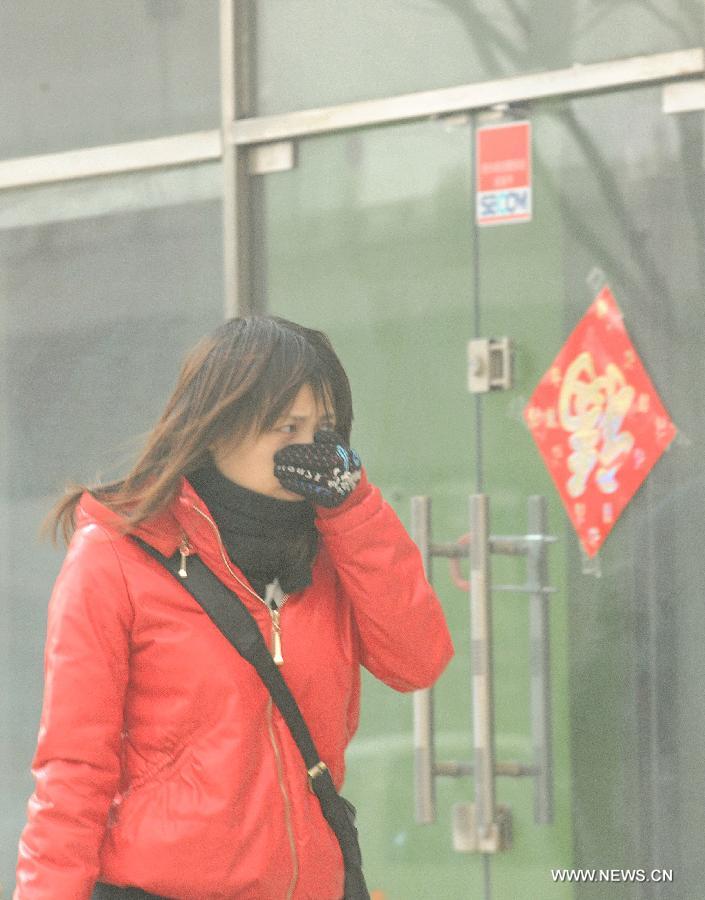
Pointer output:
110, 159
576, 81
238, 97
240, 134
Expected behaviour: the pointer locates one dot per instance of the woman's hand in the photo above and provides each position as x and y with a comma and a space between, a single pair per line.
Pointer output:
325, 472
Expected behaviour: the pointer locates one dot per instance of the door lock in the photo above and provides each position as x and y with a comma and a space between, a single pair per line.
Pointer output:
490, 365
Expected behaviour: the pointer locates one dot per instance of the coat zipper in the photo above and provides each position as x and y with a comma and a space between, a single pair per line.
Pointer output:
277, 654
287, 802
275, 614
277, 637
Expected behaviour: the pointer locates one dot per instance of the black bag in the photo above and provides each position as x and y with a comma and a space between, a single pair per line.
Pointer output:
236, 623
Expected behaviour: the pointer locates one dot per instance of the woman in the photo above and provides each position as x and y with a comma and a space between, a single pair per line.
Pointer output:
161, 763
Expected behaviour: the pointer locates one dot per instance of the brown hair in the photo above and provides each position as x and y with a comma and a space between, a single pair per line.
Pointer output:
243, 375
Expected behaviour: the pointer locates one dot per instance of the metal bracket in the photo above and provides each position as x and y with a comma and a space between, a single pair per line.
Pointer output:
265, 159
683, 96
490, 365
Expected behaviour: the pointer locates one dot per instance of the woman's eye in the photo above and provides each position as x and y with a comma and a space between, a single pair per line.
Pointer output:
288, 429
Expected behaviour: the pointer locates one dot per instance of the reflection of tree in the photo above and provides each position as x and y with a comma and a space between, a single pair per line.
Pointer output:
536, 42
684, 24
632, 231
690, 128
487, 37
675, 23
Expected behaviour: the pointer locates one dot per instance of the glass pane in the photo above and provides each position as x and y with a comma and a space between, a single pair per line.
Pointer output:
370, 238
83, 74
315, 53
97, 312
619, 195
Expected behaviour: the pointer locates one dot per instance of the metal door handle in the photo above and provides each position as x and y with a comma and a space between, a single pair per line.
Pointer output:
485, 812
424, 743
485, 826
540, 660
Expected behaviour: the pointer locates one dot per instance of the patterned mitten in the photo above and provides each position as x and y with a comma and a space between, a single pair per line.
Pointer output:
325, 472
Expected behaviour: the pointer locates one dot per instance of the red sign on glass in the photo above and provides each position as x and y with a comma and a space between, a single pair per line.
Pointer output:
503, 167
598, 422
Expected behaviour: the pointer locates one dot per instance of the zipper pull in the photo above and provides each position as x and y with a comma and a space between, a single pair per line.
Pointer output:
276, 638
184, 551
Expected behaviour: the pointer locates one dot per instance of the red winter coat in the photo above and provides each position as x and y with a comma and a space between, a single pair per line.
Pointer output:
161, 762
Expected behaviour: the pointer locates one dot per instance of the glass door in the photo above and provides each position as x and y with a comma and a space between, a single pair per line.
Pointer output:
379, 253
619, 198
372, 238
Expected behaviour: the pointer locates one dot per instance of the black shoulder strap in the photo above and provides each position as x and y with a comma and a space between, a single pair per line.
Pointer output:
234, 620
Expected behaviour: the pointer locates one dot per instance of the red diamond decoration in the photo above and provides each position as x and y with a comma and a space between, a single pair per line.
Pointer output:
598, 422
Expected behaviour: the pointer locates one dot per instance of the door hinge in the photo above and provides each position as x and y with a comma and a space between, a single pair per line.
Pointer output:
490, 365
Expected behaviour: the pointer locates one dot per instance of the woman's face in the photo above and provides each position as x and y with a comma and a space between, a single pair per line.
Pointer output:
250, 461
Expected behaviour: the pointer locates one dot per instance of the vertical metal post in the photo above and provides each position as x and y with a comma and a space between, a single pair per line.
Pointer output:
237, 101
424, 751
540, 669
481, 661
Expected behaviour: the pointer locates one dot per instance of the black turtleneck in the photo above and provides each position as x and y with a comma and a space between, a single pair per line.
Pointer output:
265, 537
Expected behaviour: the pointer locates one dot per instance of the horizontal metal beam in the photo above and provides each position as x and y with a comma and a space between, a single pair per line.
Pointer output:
113, 159
579, 79
202, 146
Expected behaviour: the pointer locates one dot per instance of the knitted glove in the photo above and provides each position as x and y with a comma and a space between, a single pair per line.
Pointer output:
325, 472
